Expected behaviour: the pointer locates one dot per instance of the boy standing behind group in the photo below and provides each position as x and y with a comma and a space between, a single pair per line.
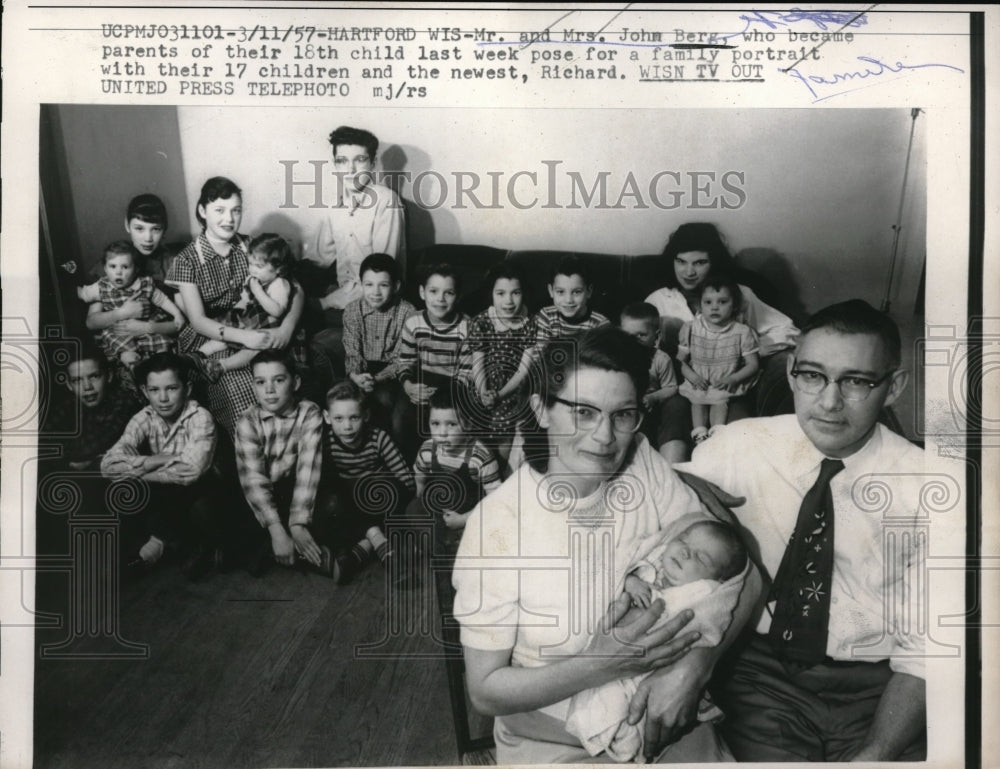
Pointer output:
365, 218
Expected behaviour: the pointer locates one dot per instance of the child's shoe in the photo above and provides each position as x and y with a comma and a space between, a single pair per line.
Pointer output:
200, 563
260, 559
328, 566
699, 435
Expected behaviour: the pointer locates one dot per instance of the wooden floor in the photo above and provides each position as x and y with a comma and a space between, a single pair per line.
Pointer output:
286, 670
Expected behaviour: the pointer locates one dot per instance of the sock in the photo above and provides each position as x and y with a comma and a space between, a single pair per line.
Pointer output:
152, 551
362, 551
379, 542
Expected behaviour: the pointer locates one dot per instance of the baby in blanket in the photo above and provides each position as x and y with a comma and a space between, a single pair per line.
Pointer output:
684, 569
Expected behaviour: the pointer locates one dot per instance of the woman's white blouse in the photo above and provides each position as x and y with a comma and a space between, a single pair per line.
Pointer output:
536, 571
775, 329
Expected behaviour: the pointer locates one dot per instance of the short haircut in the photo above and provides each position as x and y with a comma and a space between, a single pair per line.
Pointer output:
274, 250
641, 311
159, 362
569, 266
719, 279
736, 552
345, 390
444, 398
118, 248
347, 135
275, 356
380, 263
505, 270
216, 188
441, 269
856, 316
147, 208
606, 348
86, 350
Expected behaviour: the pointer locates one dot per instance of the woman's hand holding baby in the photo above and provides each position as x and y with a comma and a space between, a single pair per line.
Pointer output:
629, 648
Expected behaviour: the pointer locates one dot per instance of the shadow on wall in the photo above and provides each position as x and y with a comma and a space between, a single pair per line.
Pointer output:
288, 228
780, 288
421, 227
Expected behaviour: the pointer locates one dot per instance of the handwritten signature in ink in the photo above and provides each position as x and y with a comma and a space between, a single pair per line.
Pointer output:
823, 20
818, 85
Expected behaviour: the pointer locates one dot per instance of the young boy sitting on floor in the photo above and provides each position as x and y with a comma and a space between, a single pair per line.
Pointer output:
365, 482
278, 459
454, 471
169, 444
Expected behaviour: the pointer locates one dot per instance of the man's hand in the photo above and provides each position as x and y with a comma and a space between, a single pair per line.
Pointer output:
669, 698
718, 502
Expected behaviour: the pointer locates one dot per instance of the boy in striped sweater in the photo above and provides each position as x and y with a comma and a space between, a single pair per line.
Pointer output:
454, 471
365, 480
433, 354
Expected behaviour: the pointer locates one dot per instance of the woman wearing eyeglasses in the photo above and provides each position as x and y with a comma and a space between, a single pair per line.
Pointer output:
541, 564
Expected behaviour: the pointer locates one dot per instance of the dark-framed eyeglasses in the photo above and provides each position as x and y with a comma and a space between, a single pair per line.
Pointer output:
851, 388
587, 417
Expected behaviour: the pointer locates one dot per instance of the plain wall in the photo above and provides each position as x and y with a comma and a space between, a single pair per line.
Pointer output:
822, 186
111, 154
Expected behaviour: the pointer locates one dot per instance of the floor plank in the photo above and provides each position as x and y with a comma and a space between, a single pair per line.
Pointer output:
286, 670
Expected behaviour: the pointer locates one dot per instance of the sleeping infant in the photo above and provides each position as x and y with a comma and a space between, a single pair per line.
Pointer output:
684, 570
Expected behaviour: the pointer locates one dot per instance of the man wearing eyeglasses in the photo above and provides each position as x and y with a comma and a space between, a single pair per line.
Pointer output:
364, 218
831, 673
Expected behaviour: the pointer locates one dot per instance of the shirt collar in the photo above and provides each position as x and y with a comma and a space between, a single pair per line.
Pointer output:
171, 428
443, 327
289, 411
206, 252
855, 463
516, 322
575, 321
367, 309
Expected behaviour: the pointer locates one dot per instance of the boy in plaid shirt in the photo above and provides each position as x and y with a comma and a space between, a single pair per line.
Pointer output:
169, 445
279, 458
373, 328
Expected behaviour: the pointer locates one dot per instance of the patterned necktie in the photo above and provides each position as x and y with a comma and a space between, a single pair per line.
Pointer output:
801, 589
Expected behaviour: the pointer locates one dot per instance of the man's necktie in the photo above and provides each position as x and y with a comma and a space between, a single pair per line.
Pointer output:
801, 589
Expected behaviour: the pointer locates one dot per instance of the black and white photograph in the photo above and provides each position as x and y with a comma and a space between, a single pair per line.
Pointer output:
469, 389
